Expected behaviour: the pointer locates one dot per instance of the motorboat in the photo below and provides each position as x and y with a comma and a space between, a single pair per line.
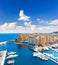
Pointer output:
11, 53
11, 62
12, 56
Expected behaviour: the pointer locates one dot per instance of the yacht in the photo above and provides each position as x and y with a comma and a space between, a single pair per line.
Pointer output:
11, 53
35, 54
40, 55
11, 62
12, 56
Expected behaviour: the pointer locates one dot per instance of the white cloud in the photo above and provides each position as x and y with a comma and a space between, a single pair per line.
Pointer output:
38, 19
32, 27
44, 22
28, 24
23, 17
13, 28
54, 22
8, 26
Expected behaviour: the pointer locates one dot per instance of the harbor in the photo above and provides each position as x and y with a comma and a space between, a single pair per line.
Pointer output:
11, 55
25, 54
36, 53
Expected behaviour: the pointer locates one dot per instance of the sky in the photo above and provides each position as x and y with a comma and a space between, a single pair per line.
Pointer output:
28, 16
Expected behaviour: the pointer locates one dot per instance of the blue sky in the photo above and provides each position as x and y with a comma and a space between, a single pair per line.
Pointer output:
45, 10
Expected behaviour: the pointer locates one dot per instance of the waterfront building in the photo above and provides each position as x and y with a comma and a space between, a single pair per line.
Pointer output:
23, 38
32, 38
50, 39
56, 37
38, 39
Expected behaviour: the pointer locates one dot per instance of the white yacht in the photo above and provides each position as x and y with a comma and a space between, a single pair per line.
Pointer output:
11, 62
12, 56
35, 54
11, 53
40, 55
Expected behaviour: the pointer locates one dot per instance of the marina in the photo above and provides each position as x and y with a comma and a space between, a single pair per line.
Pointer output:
45, 56
25, 55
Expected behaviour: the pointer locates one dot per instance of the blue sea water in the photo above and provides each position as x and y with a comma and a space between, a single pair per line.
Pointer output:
25, 54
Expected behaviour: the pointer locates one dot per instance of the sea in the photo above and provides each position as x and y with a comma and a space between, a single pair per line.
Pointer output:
25, 55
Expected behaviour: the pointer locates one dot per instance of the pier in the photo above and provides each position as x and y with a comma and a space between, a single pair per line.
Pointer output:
3, 43
2, 57
45, 56
52, 58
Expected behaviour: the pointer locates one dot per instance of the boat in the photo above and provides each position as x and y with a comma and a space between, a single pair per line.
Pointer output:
45, 48
11, 53
12, 56
11, 62
40, 55
35, 54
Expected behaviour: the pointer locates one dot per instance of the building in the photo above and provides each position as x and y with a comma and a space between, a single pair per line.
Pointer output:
38, 39
49, 39
56, 37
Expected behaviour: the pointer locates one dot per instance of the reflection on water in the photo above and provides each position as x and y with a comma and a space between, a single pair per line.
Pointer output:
21, 45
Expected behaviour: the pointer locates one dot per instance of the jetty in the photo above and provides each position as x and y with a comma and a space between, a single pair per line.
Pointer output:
2, 57
45, 56
3, 43
40, 55
52, 58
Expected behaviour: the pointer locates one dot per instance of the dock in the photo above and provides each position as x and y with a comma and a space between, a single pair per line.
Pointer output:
52, 58
2, 57
45, 56
3, 43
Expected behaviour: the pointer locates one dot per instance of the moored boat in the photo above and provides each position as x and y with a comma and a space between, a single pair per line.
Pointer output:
12, 56
11, 62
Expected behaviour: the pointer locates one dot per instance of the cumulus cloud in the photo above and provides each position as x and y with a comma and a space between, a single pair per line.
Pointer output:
23, 17
14, 28
42, 22
42, 27
28, 24
38, 19
8, 26
11, 28
47, 29
54, 22
31, 26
